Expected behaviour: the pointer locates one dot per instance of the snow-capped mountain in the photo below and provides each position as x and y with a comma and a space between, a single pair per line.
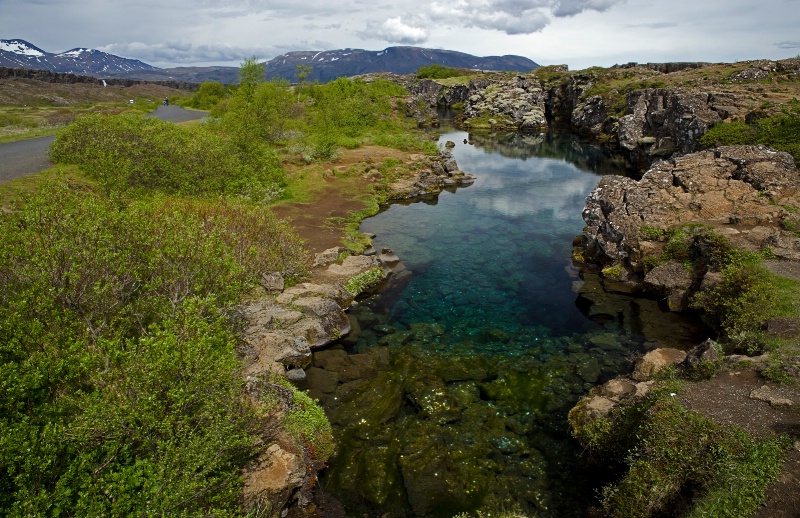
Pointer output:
18, 53
328, 65
325, 65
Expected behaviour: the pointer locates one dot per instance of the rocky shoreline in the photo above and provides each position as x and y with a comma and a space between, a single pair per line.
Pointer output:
282, 328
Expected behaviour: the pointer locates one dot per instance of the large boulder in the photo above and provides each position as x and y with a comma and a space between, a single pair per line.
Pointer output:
273, 479
740, 190
655, 361
515, 104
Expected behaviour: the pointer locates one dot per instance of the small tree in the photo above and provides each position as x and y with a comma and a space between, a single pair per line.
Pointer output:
251, 75
302, 74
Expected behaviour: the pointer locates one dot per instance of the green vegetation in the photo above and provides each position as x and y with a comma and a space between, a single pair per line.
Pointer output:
678, 461
364, 281
650, 233
206, 97
613, 272
131, 152
780, 131
745, 295
121, 392
437, 71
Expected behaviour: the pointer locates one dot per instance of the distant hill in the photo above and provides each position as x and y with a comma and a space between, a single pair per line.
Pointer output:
18, 53
325, 65
329, 65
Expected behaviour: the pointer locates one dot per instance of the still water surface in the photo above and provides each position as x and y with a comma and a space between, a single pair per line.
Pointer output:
453, 392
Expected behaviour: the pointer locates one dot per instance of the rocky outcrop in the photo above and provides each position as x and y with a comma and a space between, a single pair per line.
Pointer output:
740, 190
601, 400
748, 194
279, 333
517, 104
665, 121
429, 95
441, 174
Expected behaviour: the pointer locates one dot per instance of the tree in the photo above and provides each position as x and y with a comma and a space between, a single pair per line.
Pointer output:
251, 75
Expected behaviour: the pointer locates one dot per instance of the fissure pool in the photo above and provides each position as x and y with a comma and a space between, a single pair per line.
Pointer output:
452, 392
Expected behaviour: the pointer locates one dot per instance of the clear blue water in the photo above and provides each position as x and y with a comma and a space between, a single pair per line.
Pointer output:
496, 255
452, 392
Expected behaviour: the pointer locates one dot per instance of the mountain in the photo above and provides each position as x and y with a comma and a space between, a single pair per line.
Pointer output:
328, 65
18, 53
325, 65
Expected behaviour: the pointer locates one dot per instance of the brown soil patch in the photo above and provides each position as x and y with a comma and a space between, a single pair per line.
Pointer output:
312, 220
726, 400
335, 195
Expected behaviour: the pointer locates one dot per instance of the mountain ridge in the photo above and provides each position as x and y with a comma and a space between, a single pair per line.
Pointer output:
325, 65
18, 53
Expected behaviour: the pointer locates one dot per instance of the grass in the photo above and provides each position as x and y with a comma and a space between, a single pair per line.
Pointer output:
678, 461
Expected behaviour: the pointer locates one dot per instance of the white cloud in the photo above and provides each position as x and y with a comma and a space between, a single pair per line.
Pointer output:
395, 30
573, 7
510, 16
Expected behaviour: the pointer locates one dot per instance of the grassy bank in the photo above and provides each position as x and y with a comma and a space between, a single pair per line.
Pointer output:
121, 271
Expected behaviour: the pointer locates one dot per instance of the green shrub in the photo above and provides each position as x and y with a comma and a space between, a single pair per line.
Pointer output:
133, 152
364, 281
650, 233
728, 134
746, 297
780, 131
679, 462
121, 394
437, 71
307, 420
207, 96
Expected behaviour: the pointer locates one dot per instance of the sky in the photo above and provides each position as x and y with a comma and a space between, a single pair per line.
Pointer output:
578, 33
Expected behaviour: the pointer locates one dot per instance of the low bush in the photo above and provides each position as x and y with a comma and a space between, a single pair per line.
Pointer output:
780, 131
133, 152
207, 96
679, 462
437, 71
121, 393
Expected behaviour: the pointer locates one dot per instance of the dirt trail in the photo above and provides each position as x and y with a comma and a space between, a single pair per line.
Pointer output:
336, 198
726, 400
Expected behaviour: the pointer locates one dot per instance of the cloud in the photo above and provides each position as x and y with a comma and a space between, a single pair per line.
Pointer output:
788, 45
395, 30
511, 17
573, 7
180, 52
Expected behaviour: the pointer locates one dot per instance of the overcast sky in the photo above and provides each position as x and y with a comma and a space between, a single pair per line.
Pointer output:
579, 33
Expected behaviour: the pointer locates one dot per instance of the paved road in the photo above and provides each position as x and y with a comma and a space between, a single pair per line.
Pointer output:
26, 157
176, 114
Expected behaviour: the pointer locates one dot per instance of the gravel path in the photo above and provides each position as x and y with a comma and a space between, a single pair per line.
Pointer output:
27, 157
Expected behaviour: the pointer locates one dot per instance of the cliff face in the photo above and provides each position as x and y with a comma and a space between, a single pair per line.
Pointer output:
734, 186
651, 111
748, 194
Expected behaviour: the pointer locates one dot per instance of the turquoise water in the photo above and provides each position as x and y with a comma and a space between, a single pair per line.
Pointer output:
496, 255
451, 394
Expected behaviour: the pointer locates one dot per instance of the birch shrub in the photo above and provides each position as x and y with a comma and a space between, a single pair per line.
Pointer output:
121, 392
